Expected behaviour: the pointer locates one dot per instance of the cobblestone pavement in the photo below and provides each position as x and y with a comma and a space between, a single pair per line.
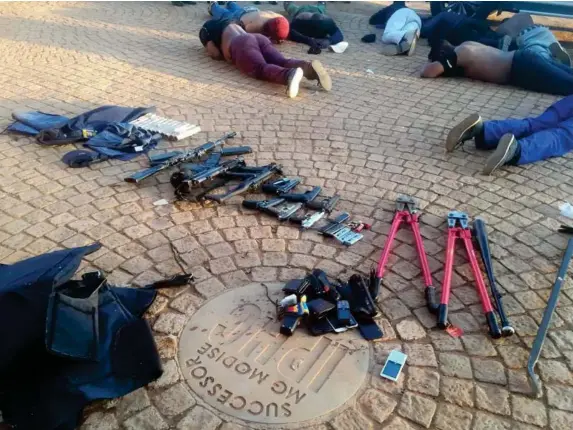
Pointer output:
379, 134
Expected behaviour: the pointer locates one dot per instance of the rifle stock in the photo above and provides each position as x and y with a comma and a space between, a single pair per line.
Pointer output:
175, 159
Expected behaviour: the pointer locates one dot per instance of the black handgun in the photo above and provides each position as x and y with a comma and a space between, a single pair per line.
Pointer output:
280, 186
275, 207
305, 197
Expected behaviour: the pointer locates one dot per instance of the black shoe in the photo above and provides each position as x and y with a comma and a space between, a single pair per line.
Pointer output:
465, 130
504, 153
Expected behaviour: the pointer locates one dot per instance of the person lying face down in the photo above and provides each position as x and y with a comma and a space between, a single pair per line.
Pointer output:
518, 141
529, 68
310, 25
271, 24
255, 55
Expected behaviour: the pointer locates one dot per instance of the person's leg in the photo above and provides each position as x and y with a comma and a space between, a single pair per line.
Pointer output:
538, 39
217, 11
396, 27
553, 142
533, 72
313, 70
248, 58
556, 113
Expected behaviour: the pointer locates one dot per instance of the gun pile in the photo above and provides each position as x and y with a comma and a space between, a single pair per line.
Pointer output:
203, 172
327, 308
206, 174
288, 206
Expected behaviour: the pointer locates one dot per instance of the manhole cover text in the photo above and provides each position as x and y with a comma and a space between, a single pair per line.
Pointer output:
233, 356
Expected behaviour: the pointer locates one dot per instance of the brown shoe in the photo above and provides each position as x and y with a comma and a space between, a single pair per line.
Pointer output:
316, 71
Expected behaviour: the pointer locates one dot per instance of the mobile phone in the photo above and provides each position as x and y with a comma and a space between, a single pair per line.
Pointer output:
370, 330
338, 325
321, 326
343, 311
318, 308
393, 366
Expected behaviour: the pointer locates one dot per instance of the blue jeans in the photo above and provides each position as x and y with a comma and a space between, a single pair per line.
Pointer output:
536, 39
233, 10
533, 71
548, 135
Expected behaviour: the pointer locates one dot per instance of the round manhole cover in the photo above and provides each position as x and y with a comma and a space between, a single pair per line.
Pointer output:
233, 357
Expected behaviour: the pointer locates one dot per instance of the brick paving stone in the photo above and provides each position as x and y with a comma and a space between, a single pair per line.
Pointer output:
132, 403
410, 330
221, 265
248, 259
148, 419
478, 345
417, 408
394, 309
458, 391
351, 420
486, 370
377, 405
209, 287
451, 417
455, 365
169, 377
199, 418
492, 399
220, 250
174, 400
275, 259
99, 421
424, 381
553, 371
559, 420
560, 397
273, 245
514, 357
529, 411
420, 355
169, 323
485, 421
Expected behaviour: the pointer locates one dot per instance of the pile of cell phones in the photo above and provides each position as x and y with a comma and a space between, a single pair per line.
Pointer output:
327, 308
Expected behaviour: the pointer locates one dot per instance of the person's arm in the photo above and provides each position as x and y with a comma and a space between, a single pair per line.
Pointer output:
213, 51
337, 37
432, 70
297, 37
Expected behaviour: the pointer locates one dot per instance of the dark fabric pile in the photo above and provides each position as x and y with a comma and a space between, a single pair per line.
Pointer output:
106, 132
66, 343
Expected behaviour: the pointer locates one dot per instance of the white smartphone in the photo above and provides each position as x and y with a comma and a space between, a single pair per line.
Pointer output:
393, 366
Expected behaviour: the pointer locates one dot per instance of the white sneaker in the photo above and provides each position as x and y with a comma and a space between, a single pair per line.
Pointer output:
294, 78
339, 48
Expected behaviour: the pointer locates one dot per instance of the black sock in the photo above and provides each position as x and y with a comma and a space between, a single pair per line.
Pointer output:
515, 159
479, 138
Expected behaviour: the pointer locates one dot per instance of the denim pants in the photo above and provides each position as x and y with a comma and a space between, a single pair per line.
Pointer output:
233, 10
532, 71
401, 22
548, 135
255, 55
537, 39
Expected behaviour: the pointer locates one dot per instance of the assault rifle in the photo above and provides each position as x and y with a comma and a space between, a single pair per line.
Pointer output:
165, 161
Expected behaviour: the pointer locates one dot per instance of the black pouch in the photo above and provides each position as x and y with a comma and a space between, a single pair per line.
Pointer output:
72, 325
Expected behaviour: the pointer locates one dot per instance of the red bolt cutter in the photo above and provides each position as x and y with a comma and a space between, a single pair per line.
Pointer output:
458, 228
406, 211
